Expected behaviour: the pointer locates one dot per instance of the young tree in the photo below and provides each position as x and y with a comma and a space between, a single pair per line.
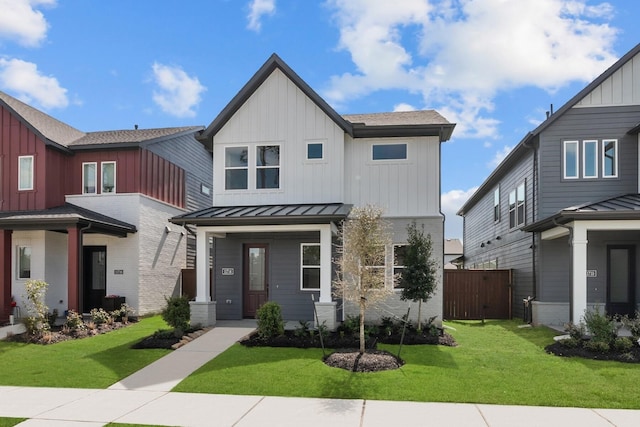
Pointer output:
360, 266
418, 278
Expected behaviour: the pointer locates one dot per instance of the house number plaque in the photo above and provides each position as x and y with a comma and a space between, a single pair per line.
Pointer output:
228, 271
592, 273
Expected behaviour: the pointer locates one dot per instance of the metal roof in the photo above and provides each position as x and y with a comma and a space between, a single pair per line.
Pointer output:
61, 217
621, 207
266, 214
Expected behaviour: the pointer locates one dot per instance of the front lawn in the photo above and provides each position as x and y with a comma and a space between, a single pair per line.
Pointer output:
95, 362
496, 363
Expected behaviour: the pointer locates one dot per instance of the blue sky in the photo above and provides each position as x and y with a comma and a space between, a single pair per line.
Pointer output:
494, 67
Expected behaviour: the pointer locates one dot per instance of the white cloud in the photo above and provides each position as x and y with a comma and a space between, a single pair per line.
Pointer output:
499, 157
177, 93
403, 106
30, 85
257, 9
461, 53
20, 21
451, 203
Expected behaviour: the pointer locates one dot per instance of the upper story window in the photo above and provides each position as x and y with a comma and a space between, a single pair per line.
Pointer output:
236, 168
25, 173
570, 159
89, 177
315, 151
517, 206
268, 166
310, 266
610, 158
590, 159
108, 177
389, 152
496, 204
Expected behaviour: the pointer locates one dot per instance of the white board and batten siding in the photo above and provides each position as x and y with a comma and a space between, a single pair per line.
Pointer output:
621, 88
403, 188
279, 113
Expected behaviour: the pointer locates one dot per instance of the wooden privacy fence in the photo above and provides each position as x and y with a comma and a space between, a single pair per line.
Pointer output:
477, 294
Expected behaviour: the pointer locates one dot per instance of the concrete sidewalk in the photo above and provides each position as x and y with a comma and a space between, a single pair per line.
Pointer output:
145, 398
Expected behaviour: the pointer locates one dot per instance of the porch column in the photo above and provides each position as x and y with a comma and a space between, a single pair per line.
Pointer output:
73, 266
203, 310
325, 263
579, 291
5, 275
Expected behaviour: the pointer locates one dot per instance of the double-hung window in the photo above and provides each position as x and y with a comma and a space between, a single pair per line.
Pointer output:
496, 205
24, 262
399, 252
310, 266
267, 166
25, 173
517, 206
609, 158
571, 159
236, 168
108, 177
89, 178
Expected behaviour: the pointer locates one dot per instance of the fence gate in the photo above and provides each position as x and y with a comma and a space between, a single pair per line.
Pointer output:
477, 294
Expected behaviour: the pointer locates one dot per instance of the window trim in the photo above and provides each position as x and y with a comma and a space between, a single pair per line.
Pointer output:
577, 161
303, 266
102, 164
381, 144
19, 263
496, 205
31, 172
278, 166
584, 159
315, 159
518, 221
396, 285
95, 177
615, 159
226, 168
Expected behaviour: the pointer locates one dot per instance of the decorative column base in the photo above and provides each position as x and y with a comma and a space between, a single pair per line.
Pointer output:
203, 313
327, 314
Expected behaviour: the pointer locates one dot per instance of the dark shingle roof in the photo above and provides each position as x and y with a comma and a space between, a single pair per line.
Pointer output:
130, 136
266, 214
399, 118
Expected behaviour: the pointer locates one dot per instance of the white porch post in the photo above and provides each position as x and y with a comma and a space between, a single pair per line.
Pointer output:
579, 295
203, 310
325, 263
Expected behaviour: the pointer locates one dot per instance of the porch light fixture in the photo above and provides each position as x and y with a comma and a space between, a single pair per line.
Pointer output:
488, 242
498, 238
482, 245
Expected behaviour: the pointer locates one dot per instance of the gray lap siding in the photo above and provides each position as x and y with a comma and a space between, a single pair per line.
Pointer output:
283, 274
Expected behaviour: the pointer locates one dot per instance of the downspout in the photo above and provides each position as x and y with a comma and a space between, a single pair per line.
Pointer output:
555, 222
534, 247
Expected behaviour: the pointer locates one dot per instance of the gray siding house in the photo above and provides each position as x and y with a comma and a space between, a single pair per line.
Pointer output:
286, 171
563, 209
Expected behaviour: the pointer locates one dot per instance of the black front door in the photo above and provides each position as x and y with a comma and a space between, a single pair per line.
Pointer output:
621, 283
94, 276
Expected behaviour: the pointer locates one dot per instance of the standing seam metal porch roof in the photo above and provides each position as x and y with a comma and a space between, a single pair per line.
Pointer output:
310, 213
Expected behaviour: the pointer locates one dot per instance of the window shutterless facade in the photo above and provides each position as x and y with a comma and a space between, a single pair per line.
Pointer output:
609, 158
310, 266
496, 205
25, 173
517, 206
399, 252
267, 166
389, 152
89, 178
590, 159
570, 159
108, 177
236, 168
23, 266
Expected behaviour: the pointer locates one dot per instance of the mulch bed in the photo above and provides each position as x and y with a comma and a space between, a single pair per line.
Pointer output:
369, 361
559, 349
56, 335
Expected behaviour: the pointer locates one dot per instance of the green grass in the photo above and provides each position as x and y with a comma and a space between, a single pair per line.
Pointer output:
495, 363
95, 362
10, 422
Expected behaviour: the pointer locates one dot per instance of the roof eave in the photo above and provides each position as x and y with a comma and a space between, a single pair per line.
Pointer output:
443, 131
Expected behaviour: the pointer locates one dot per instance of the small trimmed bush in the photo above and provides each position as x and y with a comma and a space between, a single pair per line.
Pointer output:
597, 346
177, 313
270, 323
601, 327
570, 342
633, 324
623, 344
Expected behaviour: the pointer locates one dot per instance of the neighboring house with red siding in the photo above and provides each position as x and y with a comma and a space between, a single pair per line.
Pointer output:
87, 212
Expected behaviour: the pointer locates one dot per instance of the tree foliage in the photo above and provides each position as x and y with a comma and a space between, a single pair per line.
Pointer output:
419, 276
364, 237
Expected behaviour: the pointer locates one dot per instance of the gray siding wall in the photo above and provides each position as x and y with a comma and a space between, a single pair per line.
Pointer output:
514, 248
555, 270
187, 153
579, 124
284, 274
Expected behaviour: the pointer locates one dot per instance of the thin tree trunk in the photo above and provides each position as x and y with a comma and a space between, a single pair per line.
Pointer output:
419, 316
362, 308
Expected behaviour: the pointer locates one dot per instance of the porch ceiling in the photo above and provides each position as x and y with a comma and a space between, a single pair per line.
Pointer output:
62, 217
321, 213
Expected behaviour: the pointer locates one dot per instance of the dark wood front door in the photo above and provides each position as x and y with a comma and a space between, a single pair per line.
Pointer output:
94, 276
621, 282
255, 278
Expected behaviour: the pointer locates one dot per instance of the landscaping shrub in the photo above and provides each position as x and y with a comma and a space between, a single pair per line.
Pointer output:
36, 322
177, 314
570, 342
75, 321
597, 346
351, 325
601, 327
302, 329
623, 344
270, 323
577, 332
633, 324
100, 316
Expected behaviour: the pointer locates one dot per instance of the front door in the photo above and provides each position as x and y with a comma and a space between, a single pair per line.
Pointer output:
255, 278
621, 282
94, 276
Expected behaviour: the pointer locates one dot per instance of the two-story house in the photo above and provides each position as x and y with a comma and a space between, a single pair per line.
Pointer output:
563, 209
87, 211
287, 170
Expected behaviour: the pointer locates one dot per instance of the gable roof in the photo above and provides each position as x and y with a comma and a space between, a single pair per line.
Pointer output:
59, 134
453, 247
521, 147
274, 62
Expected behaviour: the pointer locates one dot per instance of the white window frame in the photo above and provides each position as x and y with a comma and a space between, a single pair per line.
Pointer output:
496, 205
257, 168
19, 268
396, 285
303, 266
318, 159
594, 142
30, 170
226, 168
406, 152
615, 160
102, 164
564, 159
95, 177
518, 220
